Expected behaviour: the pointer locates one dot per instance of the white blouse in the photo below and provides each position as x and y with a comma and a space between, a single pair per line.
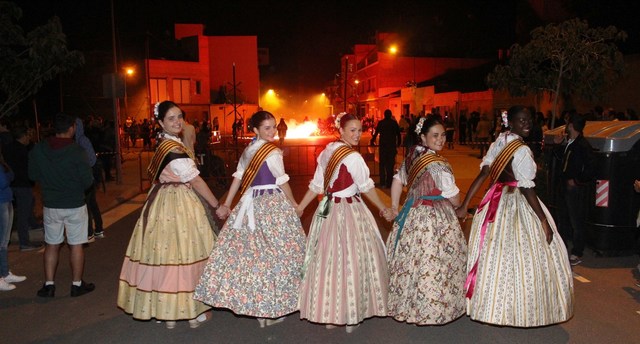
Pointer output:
355, 165
184, 168
442, 176
274, 162
523, 165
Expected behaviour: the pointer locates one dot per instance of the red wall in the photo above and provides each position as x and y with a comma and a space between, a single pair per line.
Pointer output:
243, 51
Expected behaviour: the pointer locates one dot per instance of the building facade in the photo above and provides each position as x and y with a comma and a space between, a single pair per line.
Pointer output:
225, 72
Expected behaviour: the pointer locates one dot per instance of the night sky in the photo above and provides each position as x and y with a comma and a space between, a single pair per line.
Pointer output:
307, 38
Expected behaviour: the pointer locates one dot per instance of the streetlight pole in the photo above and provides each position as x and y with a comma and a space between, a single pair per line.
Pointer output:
116, 106
128, 72
346, 74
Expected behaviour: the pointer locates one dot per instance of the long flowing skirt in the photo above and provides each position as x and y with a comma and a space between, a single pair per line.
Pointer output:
345, 279
166, 257
427, 266
257, 272
521, 281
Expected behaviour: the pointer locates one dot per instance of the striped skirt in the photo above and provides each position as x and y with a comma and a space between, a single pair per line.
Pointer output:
521, 280
345, 274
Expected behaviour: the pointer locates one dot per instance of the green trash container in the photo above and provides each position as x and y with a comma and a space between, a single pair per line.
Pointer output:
613, 204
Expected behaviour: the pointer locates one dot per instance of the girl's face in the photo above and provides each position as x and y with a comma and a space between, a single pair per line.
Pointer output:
173, 121
435, 138
266, 130
351, 132
521, 123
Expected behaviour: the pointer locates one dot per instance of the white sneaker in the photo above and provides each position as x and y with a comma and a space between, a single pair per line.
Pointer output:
6, 286
11, 278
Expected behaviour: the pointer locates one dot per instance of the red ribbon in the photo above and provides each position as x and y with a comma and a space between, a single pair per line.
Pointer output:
493, 198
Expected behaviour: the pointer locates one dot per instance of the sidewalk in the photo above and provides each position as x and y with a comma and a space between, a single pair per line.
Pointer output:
111, 196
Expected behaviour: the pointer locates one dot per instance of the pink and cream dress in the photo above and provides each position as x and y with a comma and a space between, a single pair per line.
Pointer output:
170, 244
345, 272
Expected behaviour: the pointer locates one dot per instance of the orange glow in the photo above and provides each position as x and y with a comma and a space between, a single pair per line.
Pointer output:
129, 71
393, 49
302, 130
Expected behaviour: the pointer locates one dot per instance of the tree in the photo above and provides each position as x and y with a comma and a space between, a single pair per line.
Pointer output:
566, 59
28, 61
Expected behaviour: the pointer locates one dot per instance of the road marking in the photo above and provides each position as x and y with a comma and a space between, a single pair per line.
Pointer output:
580, 278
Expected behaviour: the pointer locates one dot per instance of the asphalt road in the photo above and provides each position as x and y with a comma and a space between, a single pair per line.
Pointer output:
607, 301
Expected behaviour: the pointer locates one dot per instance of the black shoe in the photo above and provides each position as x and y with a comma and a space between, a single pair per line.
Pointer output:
47, 291
30, 247
99, 234
84, 288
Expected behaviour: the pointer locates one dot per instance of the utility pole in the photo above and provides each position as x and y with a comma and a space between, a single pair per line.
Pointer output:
346, 74
235, 102
116, 107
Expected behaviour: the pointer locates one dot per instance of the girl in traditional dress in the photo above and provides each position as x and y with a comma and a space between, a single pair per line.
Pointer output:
255, 268
518, 271
426, 250
345, 272
174, 235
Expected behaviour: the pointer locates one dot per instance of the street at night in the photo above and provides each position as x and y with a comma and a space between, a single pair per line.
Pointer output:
607, 298
501, 138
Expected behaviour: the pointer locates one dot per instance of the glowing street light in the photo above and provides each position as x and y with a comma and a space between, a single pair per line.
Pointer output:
128, 71
393, 49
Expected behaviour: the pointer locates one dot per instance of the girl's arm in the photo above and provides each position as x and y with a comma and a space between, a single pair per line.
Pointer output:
225, 209
308, 197
201, 187
532, 199
461, 211
287, 192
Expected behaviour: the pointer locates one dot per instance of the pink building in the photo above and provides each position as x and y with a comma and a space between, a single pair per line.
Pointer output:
376, 74
197, 85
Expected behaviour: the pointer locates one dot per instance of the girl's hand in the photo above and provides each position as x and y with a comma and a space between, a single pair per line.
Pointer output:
223, 211
548, 232
461, 213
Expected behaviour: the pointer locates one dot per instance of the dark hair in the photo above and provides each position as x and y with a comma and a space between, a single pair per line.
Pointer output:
346, 118
164, 107
578, 122
429, 122
62, 122
19, 132
258, 117
514, 110
387, 113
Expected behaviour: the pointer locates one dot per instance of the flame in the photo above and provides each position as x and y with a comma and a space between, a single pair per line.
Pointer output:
302, 130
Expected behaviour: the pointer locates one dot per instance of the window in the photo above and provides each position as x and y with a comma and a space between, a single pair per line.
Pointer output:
198, 87
181, 91
158, 90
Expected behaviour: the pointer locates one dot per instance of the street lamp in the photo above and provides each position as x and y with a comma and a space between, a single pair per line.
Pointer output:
128, 71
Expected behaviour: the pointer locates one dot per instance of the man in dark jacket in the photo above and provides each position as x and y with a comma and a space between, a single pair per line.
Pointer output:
62, 169
21, 186
390, 139
576, 175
